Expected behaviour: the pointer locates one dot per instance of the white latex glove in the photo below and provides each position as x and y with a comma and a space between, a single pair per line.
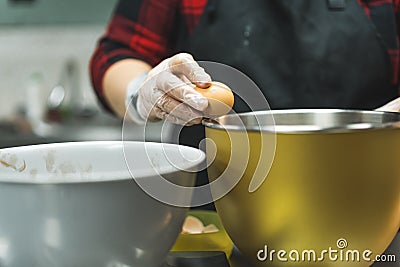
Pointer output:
393, 106
168, 91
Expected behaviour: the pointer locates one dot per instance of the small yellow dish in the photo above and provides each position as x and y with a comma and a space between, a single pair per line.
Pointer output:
215, 241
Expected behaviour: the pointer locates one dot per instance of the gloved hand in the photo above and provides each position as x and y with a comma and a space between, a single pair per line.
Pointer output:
168, 91
393, 106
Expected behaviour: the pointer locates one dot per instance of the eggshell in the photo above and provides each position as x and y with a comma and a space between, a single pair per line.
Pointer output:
192, 225
211, 228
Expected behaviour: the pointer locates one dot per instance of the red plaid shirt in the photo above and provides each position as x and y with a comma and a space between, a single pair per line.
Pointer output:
144, 30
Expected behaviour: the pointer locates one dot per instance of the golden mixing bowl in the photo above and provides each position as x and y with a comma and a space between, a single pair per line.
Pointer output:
332, 193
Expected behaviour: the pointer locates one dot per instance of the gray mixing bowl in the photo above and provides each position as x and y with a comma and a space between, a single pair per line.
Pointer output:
75, 204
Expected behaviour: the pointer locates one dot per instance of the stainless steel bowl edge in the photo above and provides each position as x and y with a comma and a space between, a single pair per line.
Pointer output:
307, 121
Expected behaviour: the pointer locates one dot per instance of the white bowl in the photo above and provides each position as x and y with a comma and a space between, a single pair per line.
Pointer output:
76, 204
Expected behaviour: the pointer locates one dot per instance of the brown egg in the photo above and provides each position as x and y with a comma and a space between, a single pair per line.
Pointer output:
220, 99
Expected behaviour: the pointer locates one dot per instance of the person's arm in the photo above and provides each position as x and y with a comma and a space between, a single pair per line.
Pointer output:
137, 38
116, 80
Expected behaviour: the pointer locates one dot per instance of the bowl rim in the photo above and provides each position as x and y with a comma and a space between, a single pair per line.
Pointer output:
112, 175
222, 123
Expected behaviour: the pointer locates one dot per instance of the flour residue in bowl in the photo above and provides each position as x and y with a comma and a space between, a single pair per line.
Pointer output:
33, 173
67, 167
50, 159
52, 167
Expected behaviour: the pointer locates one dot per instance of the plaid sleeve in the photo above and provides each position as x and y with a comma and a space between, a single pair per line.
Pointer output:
193, 10
137, 29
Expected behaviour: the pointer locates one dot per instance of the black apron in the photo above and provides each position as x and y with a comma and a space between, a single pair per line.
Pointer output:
302, 54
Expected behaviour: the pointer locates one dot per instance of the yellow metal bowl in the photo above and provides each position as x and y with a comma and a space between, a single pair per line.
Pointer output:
218, 241
332, 187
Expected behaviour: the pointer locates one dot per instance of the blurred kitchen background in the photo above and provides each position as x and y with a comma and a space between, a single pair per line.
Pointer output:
46, 95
